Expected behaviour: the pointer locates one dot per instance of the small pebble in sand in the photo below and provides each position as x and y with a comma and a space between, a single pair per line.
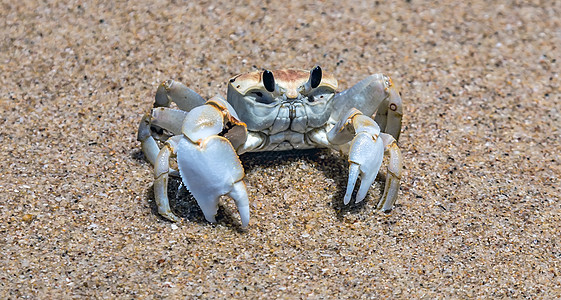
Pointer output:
27, 218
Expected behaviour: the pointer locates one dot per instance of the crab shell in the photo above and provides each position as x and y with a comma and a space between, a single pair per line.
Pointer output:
290, 95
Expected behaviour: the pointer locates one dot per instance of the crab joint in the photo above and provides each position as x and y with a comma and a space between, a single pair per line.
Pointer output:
362, 123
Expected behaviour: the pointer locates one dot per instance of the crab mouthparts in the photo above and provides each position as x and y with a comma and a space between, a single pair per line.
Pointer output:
292, 94
291, 112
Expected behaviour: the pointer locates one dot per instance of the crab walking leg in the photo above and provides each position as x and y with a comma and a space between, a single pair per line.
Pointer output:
163, 117
168, 118
394, 171
366, 150
390, 111
173, 91
161, 175
149, 146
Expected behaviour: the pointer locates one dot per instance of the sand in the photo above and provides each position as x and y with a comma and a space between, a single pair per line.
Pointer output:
479, 206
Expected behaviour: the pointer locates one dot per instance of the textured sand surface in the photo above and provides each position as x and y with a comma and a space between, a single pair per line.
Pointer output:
479, 208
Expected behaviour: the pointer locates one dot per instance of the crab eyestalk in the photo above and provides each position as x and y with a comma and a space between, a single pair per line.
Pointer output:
314, 80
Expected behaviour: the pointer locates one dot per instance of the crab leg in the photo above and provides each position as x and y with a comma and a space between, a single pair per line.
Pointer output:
390, 111
173, 91
394, 170
161, 175
149, 146
162, 117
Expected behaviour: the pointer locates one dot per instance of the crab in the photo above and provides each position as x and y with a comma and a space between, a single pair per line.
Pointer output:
270, 111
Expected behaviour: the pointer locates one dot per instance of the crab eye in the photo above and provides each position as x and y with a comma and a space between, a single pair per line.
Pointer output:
269, 81
315, 77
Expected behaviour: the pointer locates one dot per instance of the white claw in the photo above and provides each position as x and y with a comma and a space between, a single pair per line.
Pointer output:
353, 176
211, 169
366, 156
369, 172
239, 194
363, 190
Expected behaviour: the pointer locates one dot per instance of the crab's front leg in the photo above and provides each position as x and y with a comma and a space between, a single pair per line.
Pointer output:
161, 176
207, 160
360, 137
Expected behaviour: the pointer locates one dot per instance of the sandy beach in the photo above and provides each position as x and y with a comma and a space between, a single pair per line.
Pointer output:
479, 207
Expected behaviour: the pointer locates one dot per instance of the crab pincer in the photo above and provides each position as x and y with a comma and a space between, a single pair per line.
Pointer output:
358, 135
207, 162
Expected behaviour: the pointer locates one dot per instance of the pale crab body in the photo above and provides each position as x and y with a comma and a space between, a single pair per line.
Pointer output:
271, 111
288, 116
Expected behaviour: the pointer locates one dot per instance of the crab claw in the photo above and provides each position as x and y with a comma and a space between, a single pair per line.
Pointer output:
360, 137
208, 162
365, 158
206, 158
211, 169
